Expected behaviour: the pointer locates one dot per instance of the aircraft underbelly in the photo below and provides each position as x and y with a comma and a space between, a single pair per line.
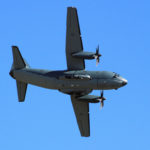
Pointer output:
54, 83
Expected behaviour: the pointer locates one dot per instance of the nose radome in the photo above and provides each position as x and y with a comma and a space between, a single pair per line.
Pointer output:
124, 82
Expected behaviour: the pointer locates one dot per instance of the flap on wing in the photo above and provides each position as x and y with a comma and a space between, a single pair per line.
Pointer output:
73, 41
81, 110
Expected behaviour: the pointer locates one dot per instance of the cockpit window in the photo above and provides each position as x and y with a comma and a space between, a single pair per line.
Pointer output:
116, 75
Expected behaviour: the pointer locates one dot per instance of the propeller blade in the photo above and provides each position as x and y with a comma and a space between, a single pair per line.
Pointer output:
102, 93
102, 104
97, 61
97, 55
97, 50
102, 98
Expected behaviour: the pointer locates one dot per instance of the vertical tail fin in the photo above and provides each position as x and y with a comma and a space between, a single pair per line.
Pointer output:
19, 63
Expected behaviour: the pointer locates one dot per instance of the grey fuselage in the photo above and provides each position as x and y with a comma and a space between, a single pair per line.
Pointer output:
70, 81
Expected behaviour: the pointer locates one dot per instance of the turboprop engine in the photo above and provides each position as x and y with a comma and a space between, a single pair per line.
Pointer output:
88, 55
93, 99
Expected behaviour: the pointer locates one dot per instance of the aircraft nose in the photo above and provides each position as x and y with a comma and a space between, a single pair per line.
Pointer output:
124, 82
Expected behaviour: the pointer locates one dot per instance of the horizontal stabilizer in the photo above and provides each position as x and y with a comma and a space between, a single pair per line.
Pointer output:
21, 87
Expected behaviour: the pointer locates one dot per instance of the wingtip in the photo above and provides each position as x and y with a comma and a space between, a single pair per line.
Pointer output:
71, 7
14, 46
85, 136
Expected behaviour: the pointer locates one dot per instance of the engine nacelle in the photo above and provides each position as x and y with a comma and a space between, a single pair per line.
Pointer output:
89, 98
84, 55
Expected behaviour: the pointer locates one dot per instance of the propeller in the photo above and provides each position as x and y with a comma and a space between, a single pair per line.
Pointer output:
97, 55
101, 99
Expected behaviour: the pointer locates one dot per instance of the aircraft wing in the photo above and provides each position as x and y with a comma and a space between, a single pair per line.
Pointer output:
81, 110
73, 41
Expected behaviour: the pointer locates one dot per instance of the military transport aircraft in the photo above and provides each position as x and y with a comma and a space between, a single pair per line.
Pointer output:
75, 81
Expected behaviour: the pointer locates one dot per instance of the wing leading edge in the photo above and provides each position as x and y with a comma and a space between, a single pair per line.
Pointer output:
73, 41
81, 110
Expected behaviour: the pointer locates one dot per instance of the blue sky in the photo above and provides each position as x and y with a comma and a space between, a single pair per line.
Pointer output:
46, 119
